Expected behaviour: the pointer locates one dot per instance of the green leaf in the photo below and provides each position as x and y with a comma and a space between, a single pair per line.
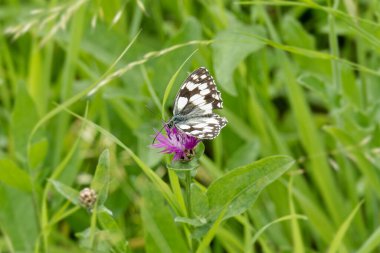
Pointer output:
97, 242
236, 191
108, 223
230, 48
365, 166
18, 219
211, 231
24, 117
337, 241
66, 191
161, 233
37, 152
100, 183
239, 188
199, 201
314, 83
294, 33
14, 176
264, 228
245, 154
371, 243
350, 88
195, 222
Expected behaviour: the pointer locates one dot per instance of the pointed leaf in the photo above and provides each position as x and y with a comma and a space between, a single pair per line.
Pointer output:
230, 48
337, 241
101, 179
294, 33
109, 224
372, 243
195, 222
314, 83
37, 152
18, 219
14, 176
245, 154
199, 201
24, 117
239, 188
66, 191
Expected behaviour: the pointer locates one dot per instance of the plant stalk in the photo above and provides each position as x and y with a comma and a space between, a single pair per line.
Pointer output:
188, 194
189, 210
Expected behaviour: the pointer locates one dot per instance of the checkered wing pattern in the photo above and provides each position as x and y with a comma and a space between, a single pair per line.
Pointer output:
194, 103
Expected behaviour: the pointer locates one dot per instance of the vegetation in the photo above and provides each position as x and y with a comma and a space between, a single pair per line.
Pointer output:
84, 84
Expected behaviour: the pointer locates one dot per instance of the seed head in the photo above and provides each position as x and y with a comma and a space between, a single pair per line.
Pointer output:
87, 197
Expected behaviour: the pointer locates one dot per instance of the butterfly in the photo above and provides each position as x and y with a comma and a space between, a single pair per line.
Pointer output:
195, 100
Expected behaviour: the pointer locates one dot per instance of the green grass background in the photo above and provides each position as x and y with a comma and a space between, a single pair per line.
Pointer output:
299, 78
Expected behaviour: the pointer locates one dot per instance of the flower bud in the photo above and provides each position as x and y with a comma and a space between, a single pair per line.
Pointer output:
87, 197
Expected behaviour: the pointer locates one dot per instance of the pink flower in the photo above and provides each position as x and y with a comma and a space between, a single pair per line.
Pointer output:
176, 142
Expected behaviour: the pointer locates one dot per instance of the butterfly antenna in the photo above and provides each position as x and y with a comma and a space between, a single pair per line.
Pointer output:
148, 108
155, 137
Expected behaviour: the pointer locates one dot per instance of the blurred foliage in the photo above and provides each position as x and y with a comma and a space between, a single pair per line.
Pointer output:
298, 78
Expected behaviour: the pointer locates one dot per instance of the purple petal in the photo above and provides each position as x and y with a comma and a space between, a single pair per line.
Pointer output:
176, 142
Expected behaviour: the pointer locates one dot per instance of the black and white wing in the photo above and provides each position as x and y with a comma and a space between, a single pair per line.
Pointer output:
194, 103
198, 95
203, 127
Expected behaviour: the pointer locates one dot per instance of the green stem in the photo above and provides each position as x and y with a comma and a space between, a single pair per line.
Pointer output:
188, 179
93, 226
188, 194
334, 49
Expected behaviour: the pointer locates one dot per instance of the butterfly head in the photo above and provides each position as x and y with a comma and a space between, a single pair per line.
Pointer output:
170, 124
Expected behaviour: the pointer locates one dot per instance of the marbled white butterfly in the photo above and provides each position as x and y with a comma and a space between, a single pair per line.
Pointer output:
193, 106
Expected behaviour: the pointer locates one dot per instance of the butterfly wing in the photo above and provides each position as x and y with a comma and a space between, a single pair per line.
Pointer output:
198, 95
194, 103
207, 127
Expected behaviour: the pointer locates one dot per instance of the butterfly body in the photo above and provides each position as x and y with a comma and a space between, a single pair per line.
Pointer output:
193, 106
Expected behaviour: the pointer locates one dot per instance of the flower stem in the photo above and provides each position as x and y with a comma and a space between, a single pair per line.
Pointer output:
188, 179
188, 194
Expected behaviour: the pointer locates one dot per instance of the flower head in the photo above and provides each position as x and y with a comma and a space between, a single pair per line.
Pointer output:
176, 142
87, 197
